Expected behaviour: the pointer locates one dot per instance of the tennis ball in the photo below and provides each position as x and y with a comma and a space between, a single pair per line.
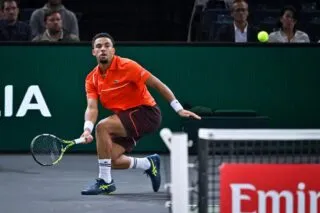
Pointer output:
263, 36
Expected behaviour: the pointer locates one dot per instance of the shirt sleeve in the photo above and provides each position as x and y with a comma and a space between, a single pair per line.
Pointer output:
272, 38
137, 73
306, 38
35, 19
91, 91
74, 24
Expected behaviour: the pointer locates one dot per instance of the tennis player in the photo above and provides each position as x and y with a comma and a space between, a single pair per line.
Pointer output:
121, 86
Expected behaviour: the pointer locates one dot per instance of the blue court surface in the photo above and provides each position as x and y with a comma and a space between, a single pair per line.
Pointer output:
27, 187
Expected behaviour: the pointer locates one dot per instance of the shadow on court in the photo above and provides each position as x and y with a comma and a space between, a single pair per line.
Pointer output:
27, 187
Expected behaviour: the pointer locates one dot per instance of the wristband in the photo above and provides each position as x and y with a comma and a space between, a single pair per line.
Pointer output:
88, 125
176, 105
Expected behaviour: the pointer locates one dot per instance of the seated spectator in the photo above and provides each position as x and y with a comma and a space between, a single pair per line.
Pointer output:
288, 32
69, 19
10, 28
240, 30
53, 29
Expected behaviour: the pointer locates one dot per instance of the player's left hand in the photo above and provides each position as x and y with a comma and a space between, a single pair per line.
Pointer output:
188, 114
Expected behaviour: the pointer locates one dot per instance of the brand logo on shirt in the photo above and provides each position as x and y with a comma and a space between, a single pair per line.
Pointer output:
116, 81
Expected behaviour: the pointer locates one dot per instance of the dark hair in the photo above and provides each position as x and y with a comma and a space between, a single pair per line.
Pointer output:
238, 1
292, 9
294, 15
102, 35
48, 13
3, 1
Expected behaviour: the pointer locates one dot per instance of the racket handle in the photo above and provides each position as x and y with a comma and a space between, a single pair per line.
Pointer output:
80, 140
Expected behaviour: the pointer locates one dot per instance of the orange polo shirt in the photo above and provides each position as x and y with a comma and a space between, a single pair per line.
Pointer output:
123, 86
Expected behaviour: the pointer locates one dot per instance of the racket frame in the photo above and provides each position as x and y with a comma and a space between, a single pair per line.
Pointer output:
68, 143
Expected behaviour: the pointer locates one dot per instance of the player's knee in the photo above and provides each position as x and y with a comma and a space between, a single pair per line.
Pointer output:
103, 127
100, 128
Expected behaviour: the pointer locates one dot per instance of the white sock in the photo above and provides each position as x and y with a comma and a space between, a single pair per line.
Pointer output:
139, 163
105, 170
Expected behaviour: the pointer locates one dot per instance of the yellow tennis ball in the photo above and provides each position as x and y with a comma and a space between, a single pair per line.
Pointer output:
263, 36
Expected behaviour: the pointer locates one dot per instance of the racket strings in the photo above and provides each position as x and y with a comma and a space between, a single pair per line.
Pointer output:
46, 149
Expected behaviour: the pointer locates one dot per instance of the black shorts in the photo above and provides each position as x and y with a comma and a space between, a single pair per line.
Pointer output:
138, 121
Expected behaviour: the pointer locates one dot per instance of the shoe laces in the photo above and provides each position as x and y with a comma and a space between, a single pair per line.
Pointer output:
101, 186
154, 171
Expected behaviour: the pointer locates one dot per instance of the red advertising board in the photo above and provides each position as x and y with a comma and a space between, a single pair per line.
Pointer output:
269, 188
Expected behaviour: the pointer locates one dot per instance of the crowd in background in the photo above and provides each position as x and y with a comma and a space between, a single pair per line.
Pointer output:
242, 20
218, 21
53, 22
241, 30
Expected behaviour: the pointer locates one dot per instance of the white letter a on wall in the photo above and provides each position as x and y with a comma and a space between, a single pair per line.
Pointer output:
33, 91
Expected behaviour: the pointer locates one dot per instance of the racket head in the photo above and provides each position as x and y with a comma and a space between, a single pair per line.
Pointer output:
47, 149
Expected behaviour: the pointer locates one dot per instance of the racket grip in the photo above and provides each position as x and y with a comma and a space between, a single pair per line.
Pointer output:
80, 140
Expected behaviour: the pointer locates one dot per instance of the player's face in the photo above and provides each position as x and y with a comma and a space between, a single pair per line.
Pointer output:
287, 20
103, 50
240, 11
10, 11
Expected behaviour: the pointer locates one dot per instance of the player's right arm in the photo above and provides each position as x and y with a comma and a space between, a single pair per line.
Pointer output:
90, 117
91, 113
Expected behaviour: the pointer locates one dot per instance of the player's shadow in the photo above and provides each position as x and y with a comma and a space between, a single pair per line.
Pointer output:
149, 196
12, 170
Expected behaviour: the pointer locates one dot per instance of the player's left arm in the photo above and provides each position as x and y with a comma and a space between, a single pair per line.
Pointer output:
165, 91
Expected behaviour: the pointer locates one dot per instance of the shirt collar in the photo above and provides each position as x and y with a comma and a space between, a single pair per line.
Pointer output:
7, 23
237, 29
284, 35
49, 36
113, 65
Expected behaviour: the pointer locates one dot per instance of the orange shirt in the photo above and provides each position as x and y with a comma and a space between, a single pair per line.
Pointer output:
123, 86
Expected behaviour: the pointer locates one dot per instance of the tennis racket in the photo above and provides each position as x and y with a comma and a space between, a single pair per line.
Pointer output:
48, 150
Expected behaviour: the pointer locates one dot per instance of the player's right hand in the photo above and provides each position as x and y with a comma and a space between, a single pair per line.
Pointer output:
87, 135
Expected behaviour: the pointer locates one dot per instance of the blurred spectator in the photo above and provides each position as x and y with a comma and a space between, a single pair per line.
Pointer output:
69, 19
288, 32
10, 28
240, 30
53, 29
1, 14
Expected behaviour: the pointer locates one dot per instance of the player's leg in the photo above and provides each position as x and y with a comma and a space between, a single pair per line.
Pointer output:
127, 162
123, 130
149, 164
139, 122
105, 130
121, 161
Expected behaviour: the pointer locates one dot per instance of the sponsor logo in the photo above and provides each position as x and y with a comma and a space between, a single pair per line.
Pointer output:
32, 93
263, 188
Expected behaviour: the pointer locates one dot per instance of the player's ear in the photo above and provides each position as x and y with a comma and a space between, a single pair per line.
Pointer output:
113, 50
93, 52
